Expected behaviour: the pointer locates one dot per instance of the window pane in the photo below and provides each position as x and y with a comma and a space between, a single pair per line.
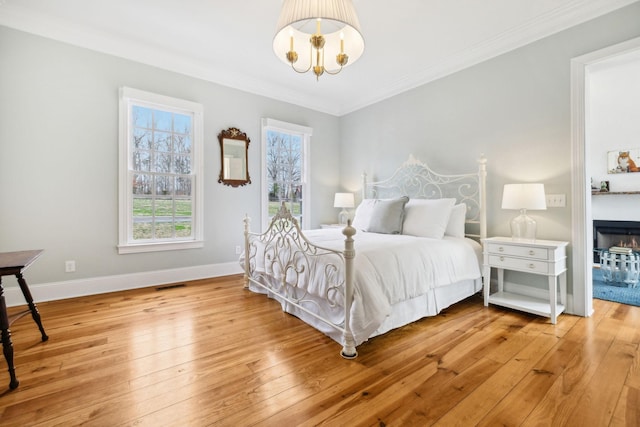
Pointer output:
183, 186
142, 184
182, 123
163, 207
141, 139
162, 120
142, 218
182, 143
164, 229
182, 164
162, 141
183, 217
141, 161
142, 117
163, 162
164, 185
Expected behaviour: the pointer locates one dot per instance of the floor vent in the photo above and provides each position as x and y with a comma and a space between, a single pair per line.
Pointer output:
164, 288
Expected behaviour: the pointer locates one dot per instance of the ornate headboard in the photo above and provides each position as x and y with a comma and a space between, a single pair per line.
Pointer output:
416, 180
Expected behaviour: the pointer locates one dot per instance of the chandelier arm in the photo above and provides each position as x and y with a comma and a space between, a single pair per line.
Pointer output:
300, 71
334, 72
310, 63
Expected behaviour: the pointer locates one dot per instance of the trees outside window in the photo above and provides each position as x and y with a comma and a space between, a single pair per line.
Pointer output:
285, 169
160, 172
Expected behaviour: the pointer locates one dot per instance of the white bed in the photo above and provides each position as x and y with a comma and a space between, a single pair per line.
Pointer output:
354, 284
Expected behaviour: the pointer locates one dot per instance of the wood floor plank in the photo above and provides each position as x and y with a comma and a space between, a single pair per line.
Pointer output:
602, 394
482, 400
209, 352
556, 407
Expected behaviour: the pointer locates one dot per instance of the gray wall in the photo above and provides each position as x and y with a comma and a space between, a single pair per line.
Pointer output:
58, 143
59, 158
514, 108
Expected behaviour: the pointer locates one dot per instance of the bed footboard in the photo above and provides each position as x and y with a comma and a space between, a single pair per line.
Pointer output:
284, 264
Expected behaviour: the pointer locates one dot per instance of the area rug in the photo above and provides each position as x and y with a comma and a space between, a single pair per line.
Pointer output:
610, 292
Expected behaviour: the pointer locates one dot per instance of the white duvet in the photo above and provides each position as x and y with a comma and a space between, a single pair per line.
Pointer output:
393, 268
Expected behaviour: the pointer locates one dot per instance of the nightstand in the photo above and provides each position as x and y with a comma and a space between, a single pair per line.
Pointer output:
541, 257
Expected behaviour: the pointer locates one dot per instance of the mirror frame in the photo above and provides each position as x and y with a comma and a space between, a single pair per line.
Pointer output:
231, 140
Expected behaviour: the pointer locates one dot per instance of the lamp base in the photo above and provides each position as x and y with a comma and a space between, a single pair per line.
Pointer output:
343, 217
523, 227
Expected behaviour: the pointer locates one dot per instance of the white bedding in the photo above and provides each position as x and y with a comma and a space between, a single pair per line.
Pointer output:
391, 269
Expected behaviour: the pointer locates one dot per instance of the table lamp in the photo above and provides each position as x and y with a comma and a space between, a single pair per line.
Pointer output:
344, 201
523, 197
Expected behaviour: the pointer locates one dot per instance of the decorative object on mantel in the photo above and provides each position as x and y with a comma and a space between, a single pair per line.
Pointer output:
604, 186
626, 161
234, 149
523, 197
327, 29
620, 250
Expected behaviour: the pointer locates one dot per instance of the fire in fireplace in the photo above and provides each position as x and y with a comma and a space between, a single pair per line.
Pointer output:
615, 233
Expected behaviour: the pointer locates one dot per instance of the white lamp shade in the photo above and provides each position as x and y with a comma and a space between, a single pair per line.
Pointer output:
343, 200
524, 196
298, 20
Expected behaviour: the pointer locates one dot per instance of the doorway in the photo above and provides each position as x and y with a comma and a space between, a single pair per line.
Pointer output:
581, 213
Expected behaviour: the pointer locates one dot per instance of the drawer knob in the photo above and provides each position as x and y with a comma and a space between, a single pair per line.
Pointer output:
532, 266
501, 258
500, 249
532, 252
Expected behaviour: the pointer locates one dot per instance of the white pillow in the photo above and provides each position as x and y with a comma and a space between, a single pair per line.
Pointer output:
427, 217
362, 217
457, 219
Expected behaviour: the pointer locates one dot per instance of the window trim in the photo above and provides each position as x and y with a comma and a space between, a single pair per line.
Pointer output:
128, 97
306, 133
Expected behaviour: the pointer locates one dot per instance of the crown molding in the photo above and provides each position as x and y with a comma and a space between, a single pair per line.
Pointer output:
558, 19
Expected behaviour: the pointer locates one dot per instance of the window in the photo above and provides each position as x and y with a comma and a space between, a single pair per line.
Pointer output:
160, 172
285, 170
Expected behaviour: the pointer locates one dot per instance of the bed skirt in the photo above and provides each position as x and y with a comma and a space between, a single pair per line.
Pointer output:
402, 313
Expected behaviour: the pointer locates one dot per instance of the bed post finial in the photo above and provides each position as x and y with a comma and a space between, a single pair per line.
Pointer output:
247, 222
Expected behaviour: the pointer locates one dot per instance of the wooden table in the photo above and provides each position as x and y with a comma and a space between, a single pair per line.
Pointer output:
14, 263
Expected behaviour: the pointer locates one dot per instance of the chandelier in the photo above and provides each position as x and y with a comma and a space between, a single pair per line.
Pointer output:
318, 35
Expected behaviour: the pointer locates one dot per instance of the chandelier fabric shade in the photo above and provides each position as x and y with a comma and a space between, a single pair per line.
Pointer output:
318, 35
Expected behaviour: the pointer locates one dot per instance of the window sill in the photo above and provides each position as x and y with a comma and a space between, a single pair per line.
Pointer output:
158, 247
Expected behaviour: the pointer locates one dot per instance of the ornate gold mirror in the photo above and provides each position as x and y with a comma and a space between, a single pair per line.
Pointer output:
234, 148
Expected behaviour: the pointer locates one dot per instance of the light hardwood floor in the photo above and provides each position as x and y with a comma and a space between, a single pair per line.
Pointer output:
212, 353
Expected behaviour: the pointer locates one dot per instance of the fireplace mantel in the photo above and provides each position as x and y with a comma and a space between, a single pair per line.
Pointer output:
604, 193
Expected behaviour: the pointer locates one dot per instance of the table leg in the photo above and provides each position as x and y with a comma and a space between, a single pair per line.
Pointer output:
553, 299
32, 306
7, 346
487, 284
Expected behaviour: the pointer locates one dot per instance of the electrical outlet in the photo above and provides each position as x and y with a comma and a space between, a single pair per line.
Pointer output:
69, 266
556, 200
238, 250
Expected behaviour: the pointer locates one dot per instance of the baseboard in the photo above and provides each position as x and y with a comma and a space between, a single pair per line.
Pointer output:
100, 285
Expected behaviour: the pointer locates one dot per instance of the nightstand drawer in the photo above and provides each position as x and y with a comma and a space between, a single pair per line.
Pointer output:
520, 251
511, 263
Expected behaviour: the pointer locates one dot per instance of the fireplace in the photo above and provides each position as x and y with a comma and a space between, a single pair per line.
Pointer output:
615, 233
